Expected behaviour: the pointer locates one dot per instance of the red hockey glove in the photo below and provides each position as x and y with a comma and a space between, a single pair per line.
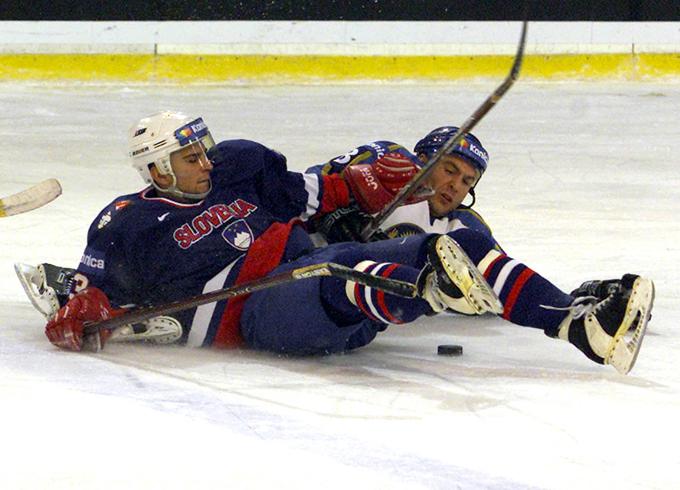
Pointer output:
65, 330
374, 185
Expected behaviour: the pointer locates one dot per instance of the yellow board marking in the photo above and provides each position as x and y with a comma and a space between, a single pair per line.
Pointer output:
233, 68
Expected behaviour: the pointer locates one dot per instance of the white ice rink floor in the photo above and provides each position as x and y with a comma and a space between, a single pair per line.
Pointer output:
584, 182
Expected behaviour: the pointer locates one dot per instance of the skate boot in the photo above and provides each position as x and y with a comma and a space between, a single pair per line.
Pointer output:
47, 286
600, 289
451, 281
610, 331
158, 330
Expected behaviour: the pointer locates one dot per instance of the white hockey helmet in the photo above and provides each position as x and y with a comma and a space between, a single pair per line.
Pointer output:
154, 138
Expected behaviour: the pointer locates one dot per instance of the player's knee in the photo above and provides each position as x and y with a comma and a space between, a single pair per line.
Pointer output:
475, 244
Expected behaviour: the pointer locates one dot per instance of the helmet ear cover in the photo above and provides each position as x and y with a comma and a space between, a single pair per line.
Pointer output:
162, 165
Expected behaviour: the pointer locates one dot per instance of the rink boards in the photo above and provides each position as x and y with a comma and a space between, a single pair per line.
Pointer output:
309, 52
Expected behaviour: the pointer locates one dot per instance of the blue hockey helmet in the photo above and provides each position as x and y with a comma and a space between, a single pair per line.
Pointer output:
470, 148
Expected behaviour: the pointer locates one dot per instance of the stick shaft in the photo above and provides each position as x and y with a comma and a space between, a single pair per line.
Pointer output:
137, 315
409, 189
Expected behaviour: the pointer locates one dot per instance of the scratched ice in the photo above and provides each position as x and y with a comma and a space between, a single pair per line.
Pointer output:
583, 183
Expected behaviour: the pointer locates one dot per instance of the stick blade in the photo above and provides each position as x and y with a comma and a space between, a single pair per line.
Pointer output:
31, 198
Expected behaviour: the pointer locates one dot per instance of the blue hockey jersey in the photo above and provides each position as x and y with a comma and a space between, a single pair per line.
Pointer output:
146, 249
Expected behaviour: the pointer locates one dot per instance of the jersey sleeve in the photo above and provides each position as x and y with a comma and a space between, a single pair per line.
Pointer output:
107, 261
249, 166
368, 153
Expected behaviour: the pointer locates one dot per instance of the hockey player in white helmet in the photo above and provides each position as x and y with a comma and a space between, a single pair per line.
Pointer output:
165, 148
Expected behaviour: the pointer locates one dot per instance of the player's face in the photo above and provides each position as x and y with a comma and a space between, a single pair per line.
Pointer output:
451, 180
192, 169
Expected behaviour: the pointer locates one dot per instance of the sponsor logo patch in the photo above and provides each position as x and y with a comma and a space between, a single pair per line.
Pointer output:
92, 261
403, 230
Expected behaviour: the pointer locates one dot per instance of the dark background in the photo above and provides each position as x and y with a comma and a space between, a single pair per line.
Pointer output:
546, 10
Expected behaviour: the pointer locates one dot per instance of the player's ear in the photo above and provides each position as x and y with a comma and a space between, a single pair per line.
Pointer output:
163, 181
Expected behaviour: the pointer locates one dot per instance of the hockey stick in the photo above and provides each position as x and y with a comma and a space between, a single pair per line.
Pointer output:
137, 315
31, 198
409, 189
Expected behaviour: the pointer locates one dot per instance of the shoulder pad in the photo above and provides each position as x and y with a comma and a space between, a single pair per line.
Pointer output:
467, 215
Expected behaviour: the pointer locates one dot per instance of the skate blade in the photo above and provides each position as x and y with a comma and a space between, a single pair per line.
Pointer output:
628, 339
472, 284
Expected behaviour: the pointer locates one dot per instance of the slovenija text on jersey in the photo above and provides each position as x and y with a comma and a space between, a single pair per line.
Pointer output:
209, 220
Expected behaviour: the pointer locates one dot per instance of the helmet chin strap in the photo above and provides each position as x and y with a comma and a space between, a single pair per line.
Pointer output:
174, 191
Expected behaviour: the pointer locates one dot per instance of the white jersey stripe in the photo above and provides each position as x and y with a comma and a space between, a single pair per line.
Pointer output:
487, 260
503, 276
204, 313
349, 285
312, 186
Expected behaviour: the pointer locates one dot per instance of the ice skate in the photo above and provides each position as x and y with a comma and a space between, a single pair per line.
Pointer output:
159, 330
451, 280
47, 286
611, 331
600, 289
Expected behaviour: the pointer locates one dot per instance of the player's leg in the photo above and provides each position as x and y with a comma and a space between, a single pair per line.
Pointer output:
445, 276
528, 298
47, 286
606, 320
293, 320
331, 315
321, 315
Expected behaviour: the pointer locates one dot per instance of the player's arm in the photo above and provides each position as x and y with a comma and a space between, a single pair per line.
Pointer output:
346, 223
368, 153
97, 286
288, 194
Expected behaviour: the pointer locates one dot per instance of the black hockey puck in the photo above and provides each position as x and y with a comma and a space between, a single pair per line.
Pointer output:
450, 350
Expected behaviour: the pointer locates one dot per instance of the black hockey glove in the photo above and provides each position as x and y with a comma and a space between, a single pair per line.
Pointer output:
345, 225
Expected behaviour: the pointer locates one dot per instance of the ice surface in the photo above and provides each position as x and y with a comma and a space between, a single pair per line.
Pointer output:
583, 183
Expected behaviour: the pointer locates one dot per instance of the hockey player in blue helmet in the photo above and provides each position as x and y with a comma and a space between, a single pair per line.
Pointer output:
453, 178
